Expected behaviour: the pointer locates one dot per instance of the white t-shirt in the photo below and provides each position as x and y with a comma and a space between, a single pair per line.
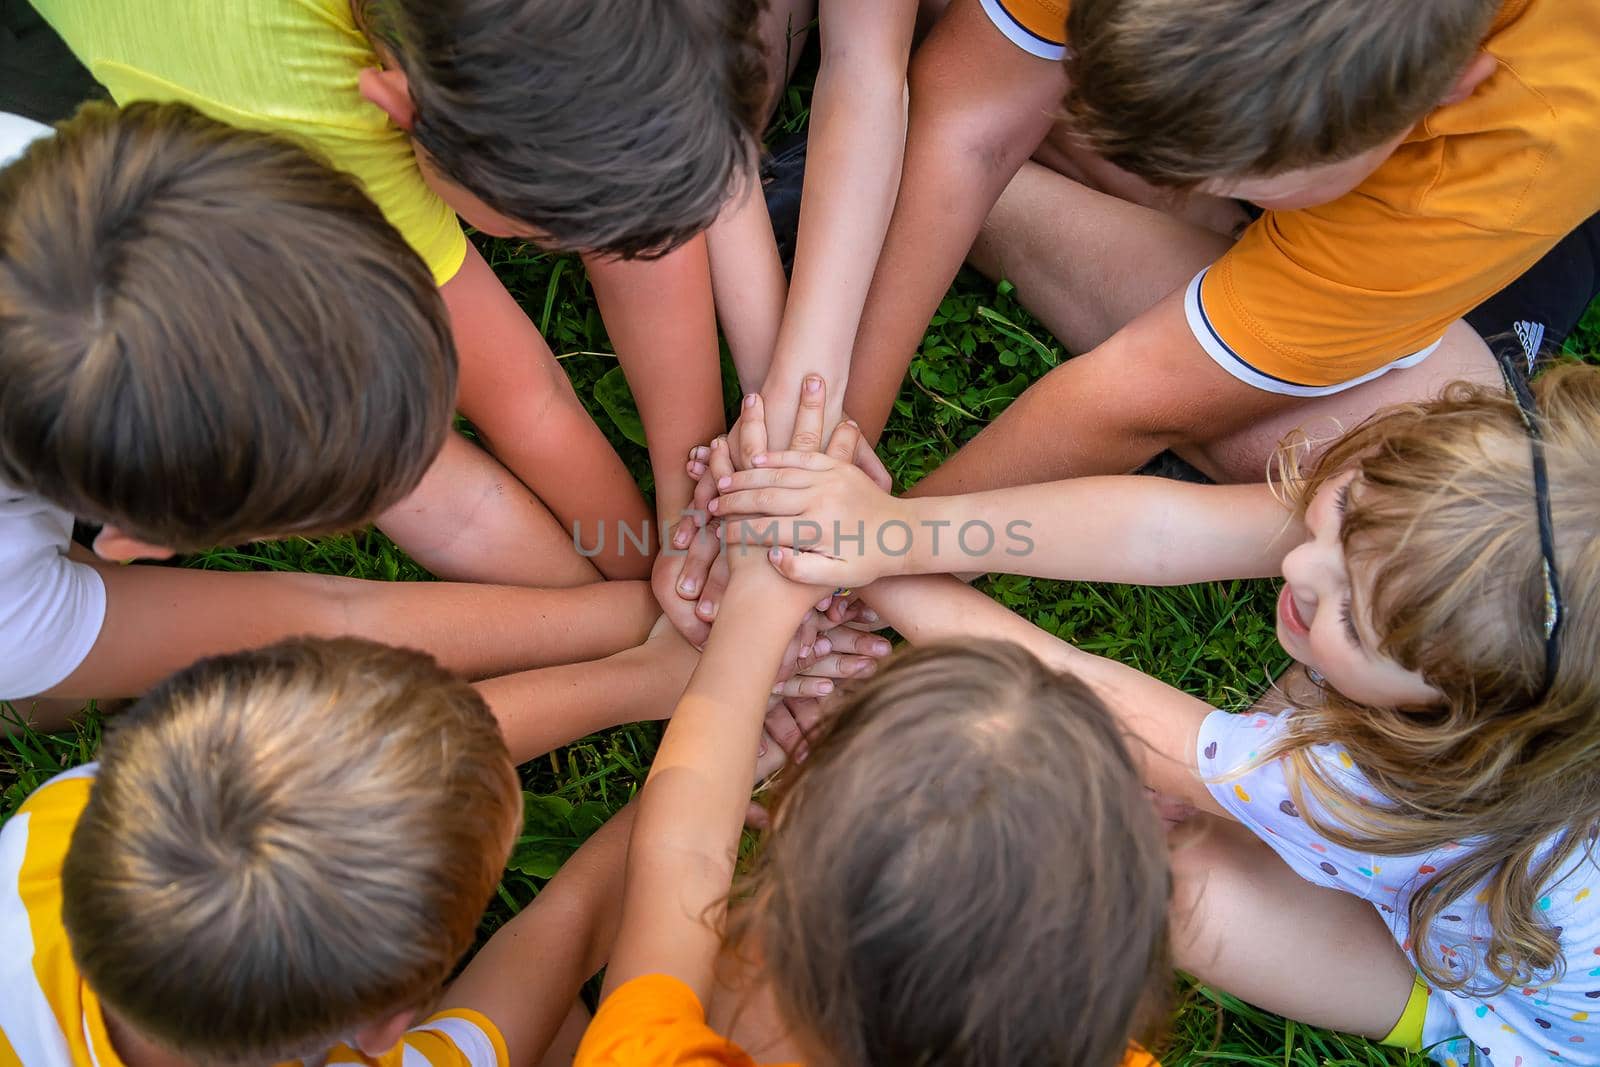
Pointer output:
51, 607
1540, 1024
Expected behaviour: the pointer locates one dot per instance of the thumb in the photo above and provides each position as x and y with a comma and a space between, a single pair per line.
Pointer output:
809, 568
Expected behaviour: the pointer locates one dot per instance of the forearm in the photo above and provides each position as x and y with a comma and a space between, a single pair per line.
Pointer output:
1146, 531
748, 282
159, 619
529, 974
541, 710
857, 145
661, 322
978, 109
1148, 388
681, 859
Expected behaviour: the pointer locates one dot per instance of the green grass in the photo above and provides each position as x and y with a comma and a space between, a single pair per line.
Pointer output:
981, 350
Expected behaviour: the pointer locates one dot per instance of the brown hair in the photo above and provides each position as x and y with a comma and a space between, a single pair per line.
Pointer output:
965, 871
616, 126
1443, 512
208, 336
1179, 91
284, 844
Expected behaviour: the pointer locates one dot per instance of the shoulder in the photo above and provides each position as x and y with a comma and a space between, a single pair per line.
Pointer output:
454, 1038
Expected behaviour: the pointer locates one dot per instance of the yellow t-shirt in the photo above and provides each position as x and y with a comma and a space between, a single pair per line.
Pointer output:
1313, 301
286, 66
49, 1017
655, 1020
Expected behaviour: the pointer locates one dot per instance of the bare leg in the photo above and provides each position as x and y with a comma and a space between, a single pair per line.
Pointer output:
471, 520
1086, 263
1236, 905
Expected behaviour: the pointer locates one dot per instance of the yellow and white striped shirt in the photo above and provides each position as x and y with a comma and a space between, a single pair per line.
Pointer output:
50, 1018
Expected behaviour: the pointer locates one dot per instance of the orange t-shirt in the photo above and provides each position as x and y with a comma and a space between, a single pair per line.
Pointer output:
657, 1021
1317, 300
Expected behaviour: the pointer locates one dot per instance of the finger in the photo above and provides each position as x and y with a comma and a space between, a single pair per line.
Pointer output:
844, 442
807, 715
808, 419
720, 461
766, 478
770, 501
770, 758
705, 491
781, 727
681, 614
755, 816
804, 685
809, 629
716, 585
751, 430
809, 568
791, 660
697, 563
811, 461
866, 458
855, 642
841, 666
695, 470
683, 533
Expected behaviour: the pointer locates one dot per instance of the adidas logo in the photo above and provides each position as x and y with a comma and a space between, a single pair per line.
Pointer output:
1531, 334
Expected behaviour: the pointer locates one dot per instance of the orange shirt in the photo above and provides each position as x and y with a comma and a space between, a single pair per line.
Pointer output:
1312, 301
657, 1021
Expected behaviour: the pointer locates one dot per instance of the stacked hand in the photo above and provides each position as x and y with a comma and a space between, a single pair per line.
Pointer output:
691, 579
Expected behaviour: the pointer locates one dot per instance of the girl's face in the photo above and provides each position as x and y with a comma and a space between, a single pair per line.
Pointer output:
1324, 612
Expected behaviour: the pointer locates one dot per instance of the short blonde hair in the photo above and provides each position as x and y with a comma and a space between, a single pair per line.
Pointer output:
282, 845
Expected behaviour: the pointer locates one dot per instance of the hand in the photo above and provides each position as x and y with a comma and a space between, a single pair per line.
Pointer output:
750, 434
665, 579
839, 654
847, 530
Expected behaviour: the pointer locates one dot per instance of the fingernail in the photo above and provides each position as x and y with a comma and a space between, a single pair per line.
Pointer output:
775, 555
680, 539
824, 686
723, 483
881, 648
762, 751
749, 400
813, 383
870, 615
805, 651
687, 585
825, 603
714, 506
707, 608
823, 646
716, 443
759, 460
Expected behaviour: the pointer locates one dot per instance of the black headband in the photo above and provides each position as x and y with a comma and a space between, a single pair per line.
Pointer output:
1553, 613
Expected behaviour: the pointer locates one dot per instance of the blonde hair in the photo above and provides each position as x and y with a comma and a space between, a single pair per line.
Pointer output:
1443, 510
285, 844
992, 885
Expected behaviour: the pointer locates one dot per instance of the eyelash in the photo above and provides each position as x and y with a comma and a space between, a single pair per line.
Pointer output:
1342, 502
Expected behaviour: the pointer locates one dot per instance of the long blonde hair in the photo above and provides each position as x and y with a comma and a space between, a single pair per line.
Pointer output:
1502, 783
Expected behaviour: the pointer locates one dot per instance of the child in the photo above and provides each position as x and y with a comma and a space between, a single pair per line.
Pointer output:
994, 889
1413, 160
607, 126
1440, 580
139, 391
285, 852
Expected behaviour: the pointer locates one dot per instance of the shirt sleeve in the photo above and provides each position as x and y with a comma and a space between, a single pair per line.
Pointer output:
51, 607
1258, 794
454, 1038
655, 1021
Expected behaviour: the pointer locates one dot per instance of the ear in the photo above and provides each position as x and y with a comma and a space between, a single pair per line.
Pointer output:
390, 92
117, 547
1476, 73
379, 1037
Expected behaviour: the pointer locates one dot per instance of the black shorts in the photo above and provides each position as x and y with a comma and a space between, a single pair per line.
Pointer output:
1530, 319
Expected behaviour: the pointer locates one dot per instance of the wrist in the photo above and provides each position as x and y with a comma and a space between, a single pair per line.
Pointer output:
933, 526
